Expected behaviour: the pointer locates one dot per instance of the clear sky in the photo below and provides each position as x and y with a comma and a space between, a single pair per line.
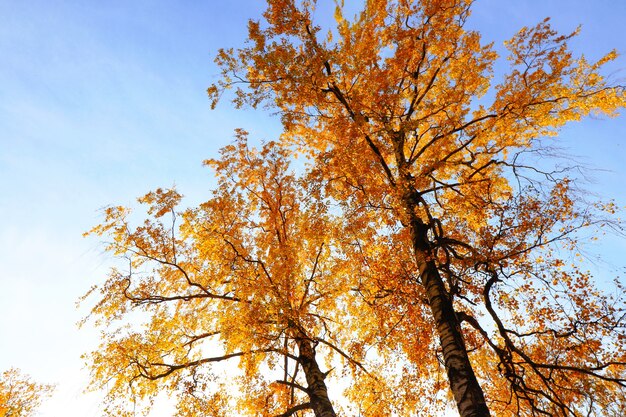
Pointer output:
102, 101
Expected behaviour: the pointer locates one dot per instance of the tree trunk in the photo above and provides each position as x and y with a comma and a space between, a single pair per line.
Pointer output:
467, 392
318, 393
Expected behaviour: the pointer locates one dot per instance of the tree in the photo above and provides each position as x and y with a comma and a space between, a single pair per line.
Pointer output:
19, 395
396, 111
257, 275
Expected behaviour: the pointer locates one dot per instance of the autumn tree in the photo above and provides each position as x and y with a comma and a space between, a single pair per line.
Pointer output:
397, 112
247, 304
19, 395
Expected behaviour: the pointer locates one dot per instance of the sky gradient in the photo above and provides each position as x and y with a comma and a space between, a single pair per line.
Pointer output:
101, 102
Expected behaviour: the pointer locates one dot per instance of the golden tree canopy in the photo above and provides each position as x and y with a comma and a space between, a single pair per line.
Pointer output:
397, 109
265, 279
421, 245
19, 395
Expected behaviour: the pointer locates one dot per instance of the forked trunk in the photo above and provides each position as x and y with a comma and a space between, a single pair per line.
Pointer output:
467, 392
318, 393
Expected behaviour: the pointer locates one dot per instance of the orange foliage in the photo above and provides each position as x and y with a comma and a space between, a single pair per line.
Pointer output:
19, 395
258, 275
389, 109
423, 240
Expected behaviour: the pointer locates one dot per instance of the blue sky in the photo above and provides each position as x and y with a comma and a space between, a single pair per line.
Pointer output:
102, 101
